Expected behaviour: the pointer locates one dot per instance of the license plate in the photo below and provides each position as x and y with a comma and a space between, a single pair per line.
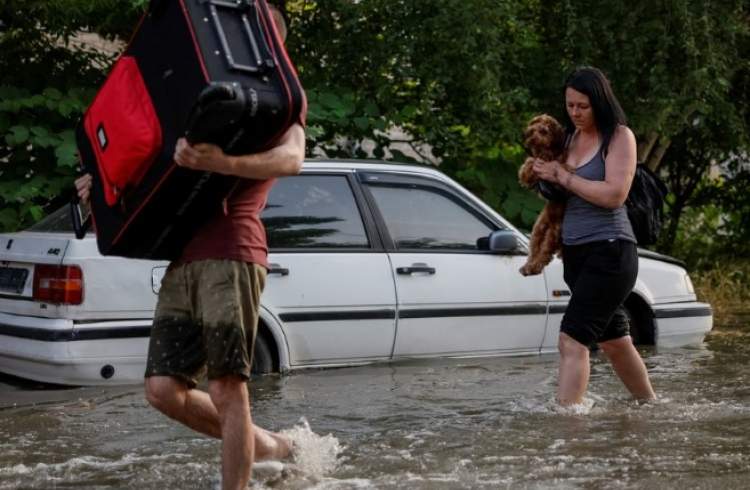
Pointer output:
12, 280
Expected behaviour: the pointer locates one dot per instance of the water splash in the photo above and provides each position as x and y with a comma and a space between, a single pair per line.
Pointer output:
583, 408
552, 407
314, 456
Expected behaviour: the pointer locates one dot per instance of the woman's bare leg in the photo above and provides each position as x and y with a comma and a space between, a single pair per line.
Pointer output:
574, 370
629, 367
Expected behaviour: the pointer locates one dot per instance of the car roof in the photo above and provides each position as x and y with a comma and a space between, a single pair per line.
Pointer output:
370, 165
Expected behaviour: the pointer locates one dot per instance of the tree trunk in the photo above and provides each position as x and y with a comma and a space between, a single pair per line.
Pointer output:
667, 243
652, 150
656, 155
646, 145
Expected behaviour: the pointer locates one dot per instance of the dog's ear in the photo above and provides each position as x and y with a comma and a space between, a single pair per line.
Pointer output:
527, 132
557, 133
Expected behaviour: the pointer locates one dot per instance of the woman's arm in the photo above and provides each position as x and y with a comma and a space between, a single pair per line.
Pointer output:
283, 159
619, 169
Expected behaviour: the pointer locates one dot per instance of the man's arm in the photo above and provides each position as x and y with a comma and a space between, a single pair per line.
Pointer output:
283, 159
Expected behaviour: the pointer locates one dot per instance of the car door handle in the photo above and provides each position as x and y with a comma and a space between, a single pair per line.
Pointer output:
277, 269
414, 268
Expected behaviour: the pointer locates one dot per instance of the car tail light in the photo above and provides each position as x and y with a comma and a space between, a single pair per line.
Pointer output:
58, 284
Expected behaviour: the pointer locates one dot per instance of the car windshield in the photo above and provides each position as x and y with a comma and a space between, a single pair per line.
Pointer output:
57, 221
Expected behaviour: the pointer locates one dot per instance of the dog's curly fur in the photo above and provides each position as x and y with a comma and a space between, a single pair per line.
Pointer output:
544, 138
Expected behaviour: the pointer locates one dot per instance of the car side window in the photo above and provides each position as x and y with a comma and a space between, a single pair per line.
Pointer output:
426, 218
313, 211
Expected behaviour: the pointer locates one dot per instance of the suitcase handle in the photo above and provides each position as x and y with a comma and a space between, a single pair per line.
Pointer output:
80, 225
262, 61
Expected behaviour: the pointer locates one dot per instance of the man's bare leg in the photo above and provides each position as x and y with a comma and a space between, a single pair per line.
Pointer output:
574, 370
629, 367
232, 401
194, 408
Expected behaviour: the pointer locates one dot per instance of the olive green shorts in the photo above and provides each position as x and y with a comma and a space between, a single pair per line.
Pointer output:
206, 319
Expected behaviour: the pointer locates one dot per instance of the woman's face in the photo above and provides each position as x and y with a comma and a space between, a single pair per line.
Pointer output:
579, 109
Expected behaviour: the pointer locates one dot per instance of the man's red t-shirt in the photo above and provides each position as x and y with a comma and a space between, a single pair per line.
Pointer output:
237, 234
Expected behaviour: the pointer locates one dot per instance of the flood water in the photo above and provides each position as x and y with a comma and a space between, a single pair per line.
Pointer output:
471, 423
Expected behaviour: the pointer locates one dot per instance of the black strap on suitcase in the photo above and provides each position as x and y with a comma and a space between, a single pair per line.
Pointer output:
214, 71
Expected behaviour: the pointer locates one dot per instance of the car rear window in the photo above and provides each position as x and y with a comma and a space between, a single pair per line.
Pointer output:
56, 222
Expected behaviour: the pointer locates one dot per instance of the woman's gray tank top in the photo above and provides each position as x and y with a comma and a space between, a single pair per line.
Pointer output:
585, 222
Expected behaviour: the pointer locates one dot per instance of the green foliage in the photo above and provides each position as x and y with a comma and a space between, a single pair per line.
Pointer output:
725, 284
700, 239
456, 80
338, 119
37, 150
47, 78
680, 70
463, 77
449, 74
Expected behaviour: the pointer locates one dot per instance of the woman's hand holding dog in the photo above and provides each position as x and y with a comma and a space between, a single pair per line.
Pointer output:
552, 171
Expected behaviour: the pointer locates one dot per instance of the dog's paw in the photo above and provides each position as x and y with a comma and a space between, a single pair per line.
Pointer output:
530, 269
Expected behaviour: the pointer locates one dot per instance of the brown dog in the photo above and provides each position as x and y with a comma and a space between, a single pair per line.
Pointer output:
544, 138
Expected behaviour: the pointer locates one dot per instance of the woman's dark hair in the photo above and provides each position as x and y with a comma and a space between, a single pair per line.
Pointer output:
608, 113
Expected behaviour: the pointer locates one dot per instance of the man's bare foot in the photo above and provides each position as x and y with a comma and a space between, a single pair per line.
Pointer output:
270, 445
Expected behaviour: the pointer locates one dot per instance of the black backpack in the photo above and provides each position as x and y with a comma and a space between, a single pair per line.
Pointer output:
645, 205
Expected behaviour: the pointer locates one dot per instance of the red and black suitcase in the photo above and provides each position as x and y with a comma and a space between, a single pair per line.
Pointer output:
211, 70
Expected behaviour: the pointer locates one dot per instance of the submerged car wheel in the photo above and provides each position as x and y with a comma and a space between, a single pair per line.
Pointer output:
262, 357
641, 323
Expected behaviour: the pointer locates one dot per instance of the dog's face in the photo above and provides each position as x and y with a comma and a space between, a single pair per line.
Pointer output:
544, 137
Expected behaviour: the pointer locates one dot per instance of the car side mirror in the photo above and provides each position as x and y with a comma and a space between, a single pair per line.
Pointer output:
499, 242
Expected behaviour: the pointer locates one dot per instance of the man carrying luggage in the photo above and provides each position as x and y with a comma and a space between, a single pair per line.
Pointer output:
207, 312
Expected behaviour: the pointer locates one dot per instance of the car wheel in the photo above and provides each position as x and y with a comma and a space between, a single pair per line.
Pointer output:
641, 326
262, 357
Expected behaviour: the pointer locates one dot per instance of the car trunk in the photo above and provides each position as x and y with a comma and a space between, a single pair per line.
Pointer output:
20, 256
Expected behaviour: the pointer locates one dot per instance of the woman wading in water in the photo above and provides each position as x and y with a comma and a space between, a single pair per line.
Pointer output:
600, 258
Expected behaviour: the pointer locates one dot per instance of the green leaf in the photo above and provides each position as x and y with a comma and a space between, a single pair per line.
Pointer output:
17, 136
8, 219
408, 112
67, 107
316, 113
314, 131
67, 154
52, 93
511, 207
362, 123
33, 101
39, 131
37, 212
528, 216
371, 109
11, 92
379, 124
330, 100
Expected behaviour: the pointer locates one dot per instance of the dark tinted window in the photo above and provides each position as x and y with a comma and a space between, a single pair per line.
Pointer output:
58, 221
426, 218
313, 211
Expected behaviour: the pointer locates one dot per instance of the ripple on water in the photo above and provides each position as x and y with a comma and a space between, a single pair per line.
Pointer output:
87, 470
477, 425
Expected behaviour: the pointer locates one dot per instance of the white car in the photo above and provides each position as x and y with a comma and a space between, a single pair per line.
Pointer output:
370, 262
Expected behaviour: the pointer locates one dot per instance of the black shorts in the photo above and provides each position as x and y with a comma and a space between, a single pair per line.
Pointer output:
600, 276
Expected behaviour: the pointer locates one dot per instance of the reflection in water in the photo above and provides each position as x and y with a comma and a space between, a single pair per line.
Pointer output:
472, 423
